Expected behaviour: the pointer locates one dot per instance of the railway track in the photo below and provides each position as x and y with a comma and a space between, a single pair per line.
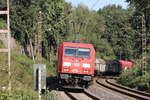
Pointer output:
123, 90
81, 95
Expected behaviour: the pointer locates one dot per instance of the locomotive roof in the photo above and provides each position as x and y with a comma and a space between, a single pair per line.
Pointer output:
70, 44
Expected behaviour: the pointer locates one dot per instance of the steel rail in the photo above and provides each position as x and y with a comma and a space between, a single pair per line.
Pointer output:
70, 95
93, 97
128, 89
122, 90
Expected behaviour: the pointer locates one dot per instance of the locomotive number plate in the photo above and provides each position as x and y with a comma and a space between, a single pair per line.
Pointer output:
76, 64
75, 70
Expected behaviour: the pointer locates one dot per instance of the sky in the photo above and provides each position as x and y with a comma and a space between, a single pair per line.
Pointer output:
97, 4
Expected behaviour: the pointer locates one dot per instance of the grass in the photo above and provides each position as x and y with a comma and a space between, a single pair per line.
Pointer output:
21, 76
3, 24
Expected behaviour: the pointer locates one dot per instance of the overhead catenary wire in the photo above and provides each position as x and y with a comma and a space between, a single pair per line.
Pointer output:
71, 13
88, 19
125, 25
97, 2
139, 4
112, 18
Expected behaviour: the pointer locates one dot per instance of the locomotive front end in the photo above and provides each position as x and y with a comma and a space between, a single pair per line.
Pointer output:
76, 65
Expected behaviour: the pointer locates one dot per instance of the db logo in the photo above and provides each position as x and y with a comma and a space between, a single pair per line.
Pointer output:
76, 64
75, 70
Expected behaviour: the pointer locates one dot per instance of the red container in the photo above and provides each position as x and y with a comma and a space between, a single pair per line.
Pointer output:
125, 64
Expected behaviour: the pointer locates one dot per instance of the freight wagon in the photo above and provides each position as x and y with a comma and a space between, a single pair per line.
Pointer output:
111, 66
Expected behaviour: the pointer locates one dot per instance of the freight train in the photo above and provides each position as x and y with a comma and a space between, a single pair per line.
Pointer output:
76, 63
111, 66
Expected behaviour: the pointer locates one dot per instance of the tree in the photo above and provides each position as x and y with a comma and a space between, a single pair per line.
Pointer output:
92, 28
54, 24
24, 23
141, 7
3, 18
24, 15
118, 31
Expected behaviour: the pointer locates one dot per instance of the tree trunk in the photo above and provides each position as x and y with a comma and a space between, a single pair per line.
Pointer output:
148, 20
57, 48
22, 50
50, 54
31, 46
35, 46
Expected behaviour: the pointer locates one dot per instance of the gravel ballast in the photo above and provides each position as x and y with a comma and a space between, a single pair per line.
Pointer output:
105, 95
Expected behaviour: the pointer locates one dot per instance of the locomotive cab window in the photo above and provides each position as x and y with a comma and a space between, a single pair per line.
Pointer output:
77, 52
83, 52
70, 51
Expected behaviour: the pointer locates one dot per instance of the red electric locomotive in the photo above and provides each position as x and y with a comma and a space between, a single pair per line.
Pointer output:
76, 65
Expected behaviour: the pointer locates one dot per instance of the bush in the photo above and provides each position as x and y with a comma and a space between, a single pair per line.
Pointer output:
18, 95
134, 79
21, 77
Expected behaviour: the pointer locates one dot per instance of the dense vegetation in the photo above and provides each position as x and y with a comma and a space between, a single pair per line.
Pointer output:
115, 32
21, 76
133, 77
21, 79
112, 30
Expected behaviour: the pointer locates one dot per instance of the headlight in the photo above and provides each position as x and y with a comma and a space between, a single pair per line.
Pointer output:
85, 71
66, 64
66, 70
86, 65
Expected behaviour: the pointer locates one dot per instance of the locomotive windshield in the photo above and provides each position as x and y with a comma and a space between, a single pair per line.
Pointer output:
77, 52
83, 52
70, 51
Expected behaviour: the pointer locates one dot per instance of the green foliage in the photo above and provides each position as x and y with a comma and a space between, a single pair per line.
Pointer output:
114, 32
104, 50
130, 81
24, 21
26, 95
142, 5
3, 5
19, 95
91, 31
56, 27
54, 24
3, 24
118, 31
48, 96
1, 44
139, 8
4, 95
22, 77
134, 79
